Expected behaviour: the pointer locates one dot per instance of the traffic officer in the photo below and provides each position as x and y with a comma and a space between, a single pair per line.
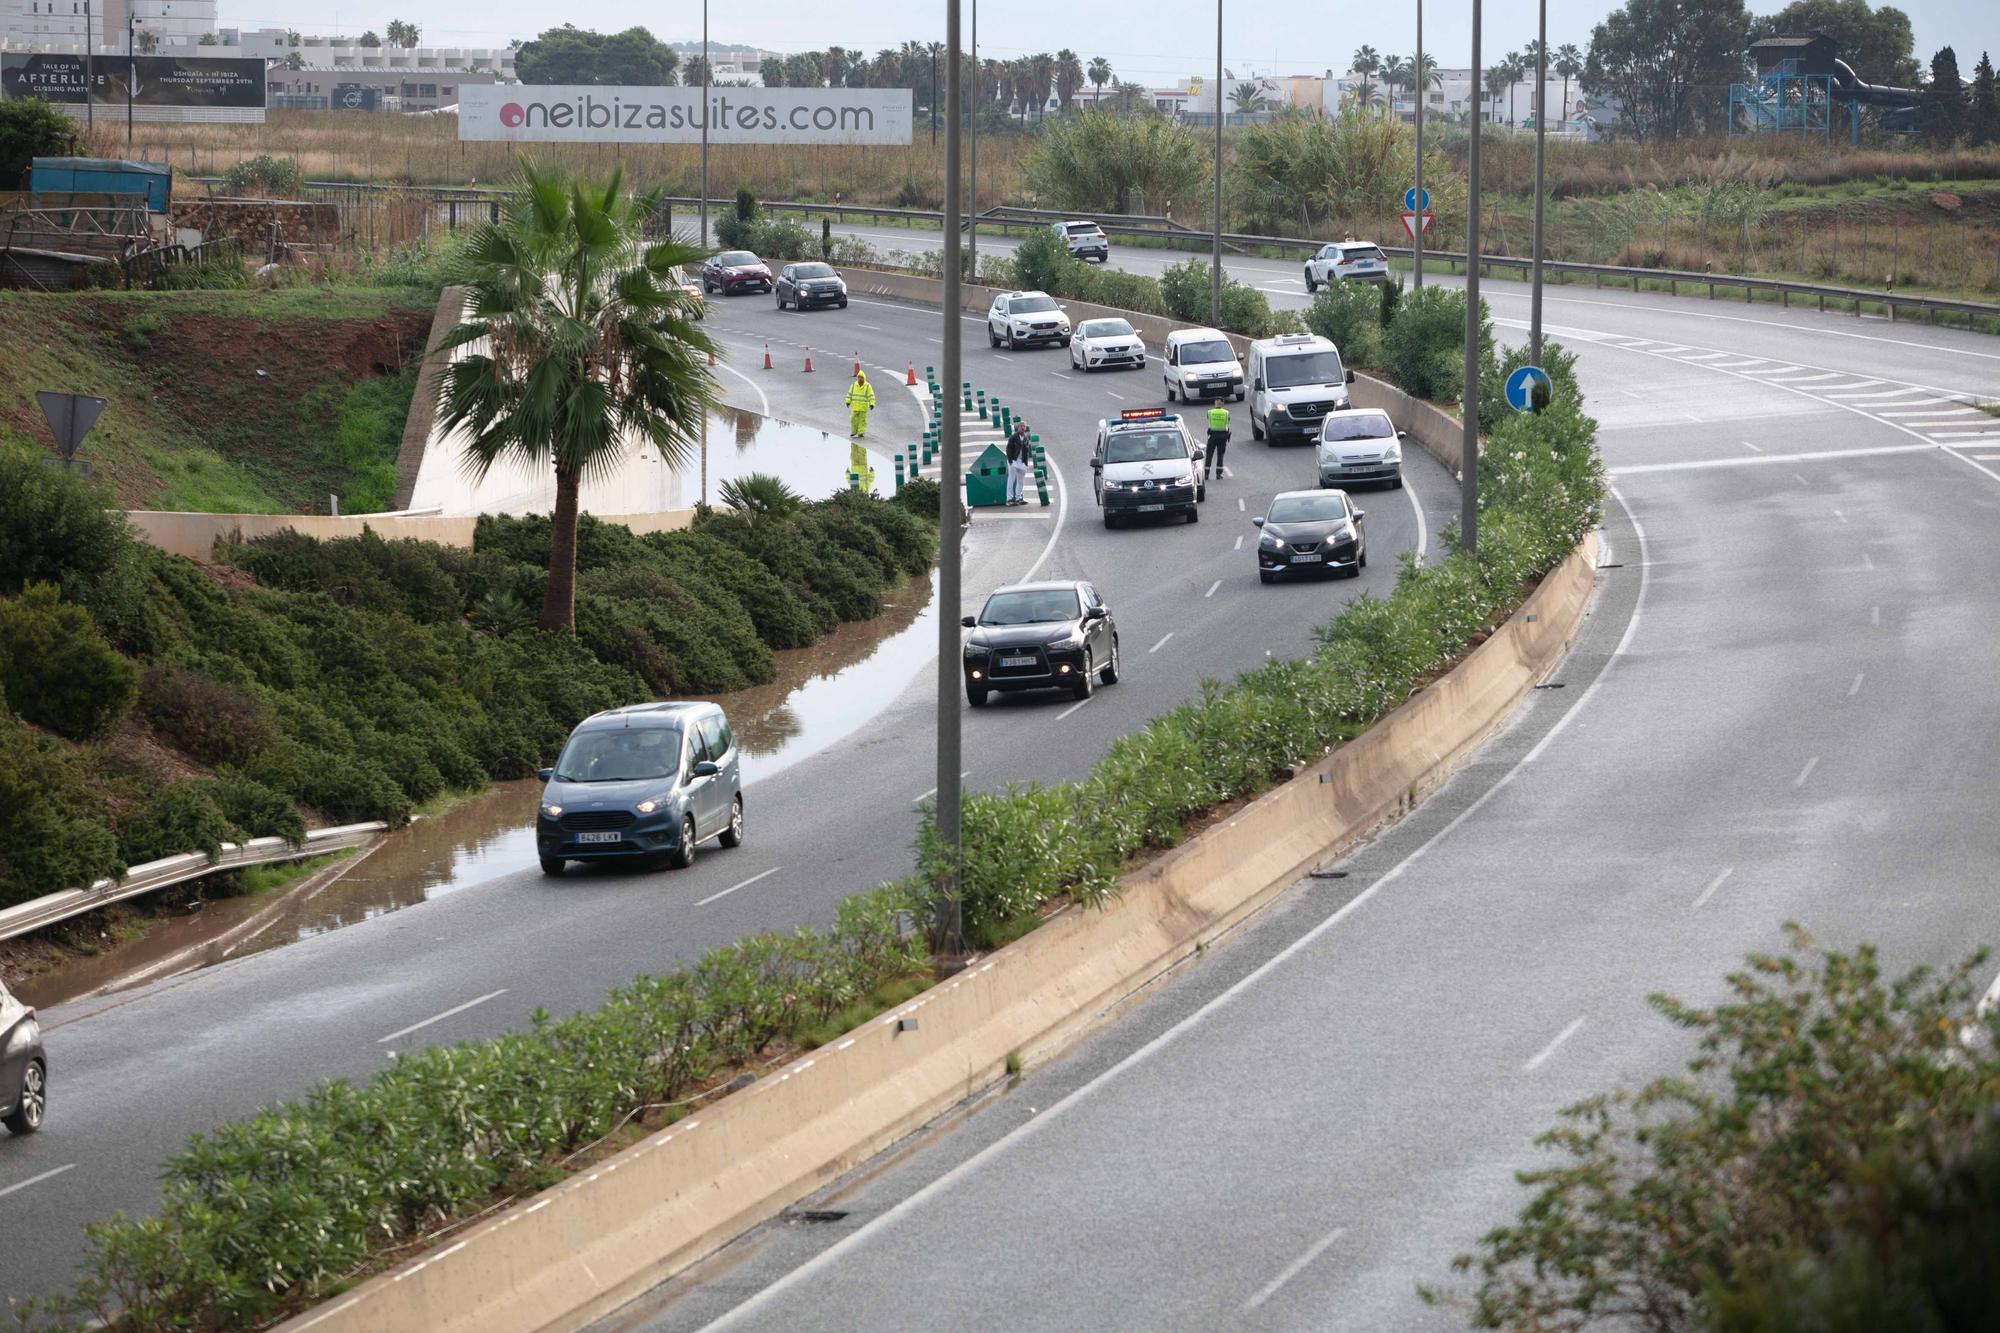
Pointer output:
1218, 438
860, 400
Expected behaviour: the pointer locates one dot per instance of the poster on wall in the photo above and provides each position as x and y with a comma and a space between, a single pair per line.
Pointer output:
564, 113
160, 81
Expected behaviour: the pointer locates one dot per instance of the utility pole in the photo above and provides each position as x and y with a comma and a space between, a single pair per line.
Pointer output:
1541, 135
950, 926
934, 97
1215, 265
1423, 87
89, 73
703, 243
972, 115
1468, 468
131, 75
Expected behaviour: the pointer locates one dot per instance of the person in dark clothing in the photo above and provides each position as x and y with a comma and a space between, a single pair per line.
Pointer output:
1218, 438
1017, 464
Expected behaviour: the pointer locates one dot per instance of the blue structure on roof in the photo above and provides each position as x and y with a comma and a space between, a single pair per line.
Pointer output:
1802, 87
102, 175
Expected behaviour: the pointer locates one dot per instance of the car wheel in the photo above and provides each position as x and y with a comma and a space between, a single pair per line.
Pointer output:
1170, 390
1266, 576
1194, 514
34, 1104
1311, 285
733, 835
1110, 673
1007, 341
1256, 427
1080, 687
1363, 562
976, 695
843, 303
991, 336
683, 856
781, 300
1397, 484
553, 865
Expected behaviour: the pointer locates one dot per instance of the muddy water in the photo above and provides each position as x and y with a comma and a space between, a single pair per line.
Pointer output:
821, 694
809, 460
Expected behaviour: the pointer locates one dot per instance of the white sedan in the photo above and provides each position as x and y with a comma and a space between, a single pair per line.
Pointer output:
1098, 343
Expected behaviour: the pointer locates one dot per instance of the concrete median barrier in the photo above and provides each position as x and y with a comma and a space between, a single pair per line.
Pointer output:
588, 1245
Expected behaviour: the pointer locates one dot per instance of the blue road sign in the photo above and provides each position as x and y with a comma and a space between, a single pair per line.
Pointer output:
1521, 387
1410, 200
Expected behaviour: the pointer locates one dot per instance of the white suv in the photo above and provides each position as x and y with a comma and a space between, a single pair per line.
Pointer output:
1022, 319
1086, 240
1361, 260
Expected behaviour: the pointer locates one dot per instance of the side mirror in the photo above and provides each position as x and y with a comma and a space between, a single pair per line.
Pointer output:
1360, 514
1095, 613
1198, 454
1402, 435
545, 773
1097, 465
1258, 384
1350, 377
968, 621
1259, 520
705, 769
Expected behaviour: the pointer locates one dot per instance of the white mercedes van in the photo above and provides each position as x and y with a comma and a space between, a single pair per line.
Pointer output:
1201, 364
1295, 380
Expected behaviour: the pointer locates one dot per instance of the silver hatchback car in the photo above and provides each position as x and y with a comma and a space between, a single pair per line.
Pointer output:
24, 1067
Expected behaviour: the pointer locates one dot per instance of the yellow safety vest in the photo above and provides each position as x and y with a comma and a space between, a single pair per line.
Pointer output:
1218, 418
861, 394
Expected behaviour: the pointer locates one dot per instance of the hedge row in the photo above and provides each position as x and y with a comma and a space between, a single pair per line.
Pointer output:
358, 678
1043, 263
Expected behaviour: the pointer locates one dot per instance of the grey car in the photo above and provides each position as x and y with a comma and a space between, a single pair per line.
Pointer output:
24, 1067
649, 783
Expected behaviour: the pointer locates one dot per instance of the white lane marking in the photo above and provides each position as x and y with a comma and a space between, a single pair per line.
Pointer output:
1806, 772
1625, 639
1988, 458
1162, 643
1212, 587
1874, 615
1423, 533
1072, 708
1293, 1269
439, 1018
1982, 433
1815, 456
926, 794
1926, 412
1739, 365
1751, 447
929, 339
1810, 379
1541, 1057
1800, 478
1867, 561
1870, 397
1842, 517
1711, 356
1061, 376
762, 397
1714, 884
1834, 390
1238, 546
1664, 308
1855, 688
748, 882
870, 327
1120, 397
1241, 509
36, 1180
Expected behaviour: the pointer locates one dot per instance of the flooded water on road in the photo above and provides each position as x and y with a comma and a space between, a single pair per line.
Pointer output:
810, 461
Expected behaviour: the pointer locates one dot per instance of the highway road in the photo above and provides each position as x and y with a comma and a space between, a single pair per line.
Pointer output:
1781, 707
134, 1073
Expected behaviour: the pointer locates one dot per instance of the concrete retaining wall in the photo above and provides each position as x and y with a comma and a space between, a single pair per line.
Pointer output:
195, 535
423, 401
596, 1241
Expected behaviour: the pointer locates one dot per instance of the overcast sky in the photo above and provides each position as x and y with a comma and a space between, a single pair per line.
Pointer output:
1149, 41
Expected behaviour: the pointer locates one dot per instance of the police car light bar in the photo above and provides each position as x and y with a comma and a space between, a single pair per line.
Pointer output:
1142, 413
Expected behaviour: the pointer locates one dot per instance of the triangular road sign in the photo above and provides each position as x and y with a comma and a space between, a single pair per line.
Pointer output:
70, 417
1410, 224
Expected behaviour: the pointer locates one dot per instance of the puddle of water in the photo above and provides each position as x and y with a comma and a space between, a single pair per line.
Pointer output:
821, 694
810, 461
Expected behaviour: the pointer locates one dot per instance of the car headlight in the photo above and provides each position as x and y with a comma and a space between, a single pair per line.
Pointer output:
1272, 543
974, 650
1341, 402
1068, 639
552, 811
1393, 454
647, 807
1280, 410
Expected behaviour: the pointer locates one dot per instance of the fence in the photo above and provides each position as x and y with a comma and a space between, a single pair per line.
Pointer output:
156, 875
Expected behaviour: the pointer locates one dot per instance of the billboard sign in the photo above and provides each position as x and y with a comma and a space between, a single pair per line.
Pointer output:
355, 97
565, 113
162, 81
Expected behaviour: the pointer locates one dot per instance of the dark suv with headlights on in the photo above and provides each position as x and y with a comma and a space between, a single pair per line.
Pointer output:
735, 271
803, 286
649, 782
24, 1067
1040, 636
1311, 530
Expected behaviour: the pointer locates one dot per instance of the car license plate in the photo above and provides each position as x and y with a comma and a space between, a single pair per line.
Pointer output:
1307, 559
1017, 661
1151, 509
597, 837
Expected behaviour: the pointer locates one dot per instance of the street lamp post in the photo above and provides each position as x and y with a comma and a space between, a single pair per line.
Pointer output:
89, 72
1468, 471
1541, 135
949, 927
972, 116
704, 141
1215, 263
1423, 84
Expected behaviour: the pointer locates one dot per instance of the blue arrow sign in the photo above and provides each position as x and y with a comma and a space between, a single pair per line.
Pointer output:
1521, 387
1410, 197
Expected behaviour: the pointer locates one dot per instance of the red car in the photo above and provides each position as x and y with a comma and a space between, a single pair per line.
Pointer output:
735, 271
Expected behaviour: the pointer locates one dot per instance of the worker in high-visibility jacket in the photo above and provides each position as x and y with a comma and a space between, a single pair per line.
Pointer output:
860, 401
1218, 437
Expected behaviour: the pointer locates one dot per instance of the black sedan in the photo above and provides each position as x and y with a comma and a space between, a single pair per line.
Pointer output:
1311, 531
1040, 636
803, 286
735, 271
24, 1067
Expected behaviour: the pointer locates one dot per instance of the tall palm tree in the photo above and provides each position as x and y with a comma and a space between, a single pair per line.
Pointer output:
1041, 77
1367, 63
1499, 78
1069, 76
1528, 65
1395, 73
578, 341
1099, 74
1569, 64
1248, 98
1514, 67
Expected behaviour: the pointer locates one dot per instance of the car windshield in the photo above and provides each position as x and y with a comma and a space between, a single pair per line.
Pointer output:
813, 271
1082, 228
1370, 426
1289, 372
1205, 354
621, 754
1363, 252
1030, 607
1031, 305
737, 259
1307, 509
1105, 328
1144, 446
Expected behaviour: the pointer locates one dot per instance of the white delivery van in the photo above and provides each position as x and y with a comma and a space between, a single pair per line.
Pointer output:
1295, 380
1201, 363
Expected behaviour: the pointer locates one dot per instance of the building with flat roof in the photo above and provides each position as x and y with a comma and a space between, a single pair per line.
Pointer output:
335, 88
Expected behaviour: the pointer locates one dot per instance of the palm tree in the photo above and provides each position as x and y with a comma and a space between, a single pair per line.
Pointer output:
1248, 98
1528, 67
1499, 78
1395, 73
1569, 64
1367, 63
1069, 76
1042, 77
1099, 74
756, 493
578, 340
1514, 67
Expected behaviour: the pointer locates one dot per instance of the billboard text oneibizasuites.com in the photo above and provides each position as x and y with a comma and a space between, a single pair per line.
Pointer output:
552, 113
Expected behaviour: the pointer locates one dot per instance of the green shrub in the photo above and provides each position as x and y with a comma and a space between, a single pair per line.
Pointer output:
1185, 293
208, 721
57, 669
54, 830
275, 177
1424, 349
919, 496
1349, 314
55, 528
1184, 289
255, 811
181, 818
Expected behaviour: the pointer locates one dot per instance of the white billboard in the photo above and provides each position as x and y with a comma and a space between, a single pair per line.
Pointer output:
567, 113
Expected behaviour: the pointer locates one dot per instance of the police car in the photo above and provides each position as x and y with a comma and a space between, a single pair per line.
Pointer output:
1146, 463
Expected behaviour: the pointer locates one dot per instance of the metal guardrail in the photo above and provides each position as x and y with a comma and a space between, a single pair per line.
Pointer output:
162, 874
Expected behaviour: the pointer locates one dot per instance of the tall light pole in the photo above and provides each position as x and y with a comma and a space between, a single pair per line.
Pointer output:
131, 73
1423, 86
1215, 264
704, 146
950, 932
89, 73
972, 116
1468, 448
1541, 135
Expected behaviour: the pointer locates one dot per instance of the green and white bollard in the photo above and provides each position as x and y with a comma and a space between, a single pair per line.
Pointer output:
1041, 468
980, 394
966, 388
899, 472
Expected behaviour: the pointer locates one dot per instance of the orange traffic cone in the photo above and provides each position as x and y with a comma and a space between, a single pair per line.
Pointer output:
767, 356
809, 361
711, 358
857, 363
911, 382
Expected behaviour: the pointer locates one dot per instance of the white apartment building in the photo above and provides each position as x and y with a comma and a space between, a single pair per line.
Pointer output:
1453, 92
59, 25
335, 53
729, 64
